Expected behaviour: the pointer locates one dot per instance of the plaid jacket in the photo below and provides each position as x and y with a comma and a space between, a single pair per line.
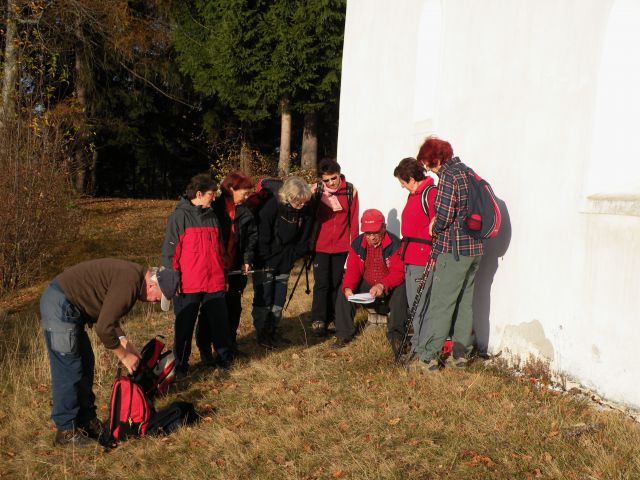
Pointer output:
451, 205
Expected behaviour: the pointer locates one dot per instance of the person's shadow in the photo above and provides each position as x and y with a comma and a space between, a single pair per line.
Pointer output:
493, 249
393, 222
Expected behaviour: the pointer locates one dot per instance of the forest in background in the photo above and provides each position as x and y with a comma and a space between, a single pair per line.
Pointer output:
131, 98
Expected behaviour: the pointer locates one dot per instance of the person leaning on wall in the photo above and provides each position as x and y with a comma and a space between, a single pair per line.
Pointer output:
92, 293
284, 233
457, 257
240, 235
336, 207
416, 239
193, 250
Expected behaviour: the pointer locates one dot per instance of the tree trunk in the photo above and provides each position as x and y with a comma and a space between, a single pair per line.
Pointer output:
245, 159
10, 73
309, 158
82, 166
285, 137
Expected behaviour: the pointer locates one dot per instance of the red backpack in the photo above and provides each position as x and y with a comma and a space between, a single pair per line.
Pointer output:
130, 411
483, 213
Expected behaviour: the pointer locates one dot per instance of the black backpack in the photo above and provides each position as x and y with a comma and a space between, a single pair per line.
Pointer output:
483, 216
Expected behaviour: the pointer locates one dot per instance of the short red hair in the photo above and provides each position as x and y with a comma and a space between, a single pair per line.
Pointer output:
235, 180
434, 149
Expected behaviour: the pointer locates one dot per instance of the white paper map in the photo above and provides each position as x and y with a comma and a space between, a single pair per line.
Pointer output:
361, 298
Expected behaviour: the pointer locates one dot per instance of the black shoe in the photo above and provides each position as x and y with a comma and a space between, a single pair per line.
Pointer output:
279, 340
93, 428
71, 438
319, 329
339, 343
208, 360
265, 341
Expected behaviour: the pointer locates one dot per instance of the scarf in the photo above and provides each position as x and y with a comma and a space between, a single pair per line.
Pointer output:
329, 198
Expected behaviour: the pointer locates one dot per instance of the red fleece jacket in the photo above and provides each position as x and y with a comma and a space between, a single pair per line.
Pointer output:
355, 262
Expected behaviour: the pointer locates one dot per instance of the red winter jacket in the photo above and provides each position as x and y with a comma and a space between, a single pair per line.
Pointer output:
357, 254
193, 247
415, 224
334, 235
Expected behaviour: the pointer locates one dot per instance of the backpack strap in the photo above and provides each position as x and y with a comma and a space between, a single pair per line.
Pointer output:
424, 201
349, 200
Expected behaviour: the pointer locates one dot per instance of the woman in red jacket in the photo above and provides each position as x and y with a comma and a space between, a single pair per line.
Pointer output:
416, 240
337, 222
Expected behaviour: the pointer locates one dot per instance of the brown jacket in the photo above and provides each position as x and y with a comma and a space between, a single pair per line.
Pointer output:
104, 291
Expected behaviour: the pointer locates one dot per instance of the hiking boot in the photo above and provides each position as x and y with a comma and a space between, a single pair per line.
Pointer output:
407, 358
71, 438
207, 359
458, 363
93, 428
420, 366
265, 341
318, 328
278, 340
339, 343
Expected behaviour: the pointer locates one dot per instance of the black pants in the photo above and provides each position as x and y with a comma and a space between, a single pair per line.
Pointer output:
395, 301
233, 299
328, 270
186, 307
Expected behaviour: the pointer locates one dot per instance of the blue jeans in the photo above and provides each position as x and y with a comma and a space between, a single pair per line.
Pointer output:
70, 357
269, 296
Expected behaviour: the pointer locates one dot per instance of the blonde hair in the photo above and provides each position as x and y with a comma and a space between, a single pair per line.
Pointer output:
294, 190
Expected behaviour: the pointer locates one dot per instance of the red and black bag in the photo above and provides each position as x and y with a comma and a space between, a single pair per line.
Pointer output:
156, 369
483, 216
129, 411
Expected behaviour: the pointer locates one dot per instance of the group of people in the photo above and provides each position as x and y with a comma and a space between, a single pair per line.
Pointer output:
214, 242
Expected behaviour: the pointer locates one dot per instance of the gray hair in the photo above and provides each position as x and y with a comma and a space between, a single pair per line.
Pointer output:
294, 190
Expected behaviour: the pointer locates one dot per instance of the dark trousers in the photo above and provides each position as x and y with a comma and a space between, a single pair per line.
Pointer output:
233, 299
186, 307
395, 302
269, 296
328, 270
71, 359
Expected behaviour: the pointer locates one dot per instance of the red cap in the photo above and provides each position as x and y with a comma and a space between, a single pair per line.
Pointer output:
372, 220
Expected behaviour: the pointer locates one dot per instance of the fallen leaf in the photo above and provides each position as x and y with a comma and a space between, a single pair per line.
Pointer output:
221, 462
546, 456
553, 433
338, 474
394, 421
295, 356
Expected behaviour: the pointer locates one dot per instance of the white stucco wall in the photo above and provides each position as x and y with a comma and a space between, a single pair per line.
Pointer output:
524, 91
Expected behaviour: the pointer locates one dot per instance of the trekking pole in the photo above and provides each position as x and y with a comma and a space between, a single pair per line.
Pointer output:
295, 285
414, 308
306, 275
257, 270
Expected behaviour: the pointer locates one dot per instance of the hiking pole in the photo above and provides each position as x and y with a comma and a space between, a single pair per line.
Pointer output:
414, 308
257, 270
295, 285
306, 276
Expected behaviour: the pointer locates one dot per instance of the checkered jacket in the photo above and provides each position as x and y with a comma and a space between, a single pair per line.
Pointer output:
451, 207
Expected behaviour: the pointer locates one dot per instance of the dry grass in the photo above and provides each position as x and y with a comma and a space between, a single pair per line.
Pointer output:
306, 411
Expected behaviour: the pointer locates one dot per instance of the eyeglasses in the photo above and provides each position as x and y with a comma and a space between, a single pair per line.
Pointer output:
327, 180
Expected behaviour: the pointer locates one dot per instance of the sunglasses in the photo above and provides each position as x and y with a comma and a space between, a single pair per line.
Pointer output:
327, 180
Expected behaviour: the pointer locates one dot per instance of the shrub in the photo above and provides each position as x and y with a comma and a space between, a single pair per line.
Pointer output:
36, 198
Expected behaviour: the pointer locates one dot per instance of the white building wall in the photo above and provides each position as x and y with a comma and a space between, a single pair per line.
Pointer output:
524, 91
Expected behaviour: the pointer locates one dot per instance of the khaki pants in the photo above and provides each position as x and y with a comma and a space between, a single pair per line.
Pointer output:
450, 306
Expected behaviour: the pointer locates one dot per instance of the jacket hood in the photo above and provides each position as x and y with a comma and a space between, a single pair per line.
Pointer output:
185, 204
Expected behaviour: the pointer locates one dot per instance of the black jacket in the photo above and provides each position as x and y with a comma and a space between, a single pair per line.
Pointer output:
246, 232
284, 235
